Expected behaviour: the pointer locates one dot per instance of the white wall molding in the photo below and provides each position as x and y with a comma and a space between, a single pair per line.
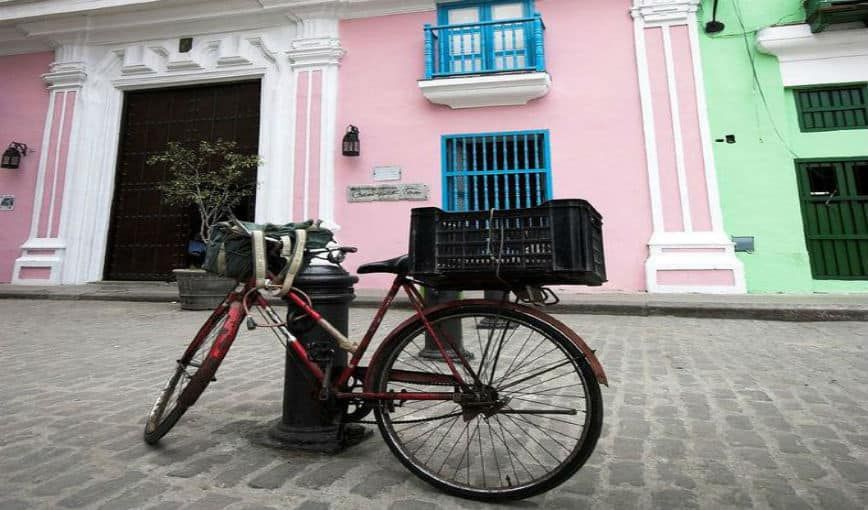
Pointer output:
494, 90
39, 254
15, 42
65, 75
35, 24
665, 12
830, 57
677, 132
316, 52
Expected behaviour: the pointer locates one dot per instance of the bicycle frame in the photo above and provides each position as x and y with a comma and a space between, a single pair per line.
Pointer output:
248, 292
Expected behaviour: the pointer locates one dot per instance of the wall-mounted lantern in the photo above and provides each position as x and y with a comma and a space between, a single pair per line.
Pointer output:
12, 156
714, 26
351, 145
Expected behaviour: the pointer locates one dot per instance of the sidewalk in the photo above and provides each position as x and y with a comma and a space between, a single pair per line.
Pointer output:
811, 307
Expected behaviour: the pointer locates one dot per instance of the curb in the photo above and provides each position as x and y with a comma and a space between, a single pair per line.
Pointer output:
793, 313
765, 312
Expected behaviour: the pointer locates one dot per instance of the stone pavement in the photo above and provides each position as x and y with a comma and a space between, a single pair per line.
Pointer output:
793, 307
701, 413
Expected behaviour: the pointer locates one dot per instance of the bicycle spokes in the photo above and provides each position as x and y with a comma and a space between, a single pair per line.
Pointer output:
522, 420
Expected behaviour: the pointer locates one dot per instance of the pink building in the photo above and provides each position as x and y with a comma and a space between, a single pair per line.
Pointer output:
464, 105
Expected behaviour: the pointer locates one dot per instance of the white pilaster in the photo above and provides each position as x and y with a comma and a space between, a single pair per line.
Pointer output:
318, 49
45, 248
693, 254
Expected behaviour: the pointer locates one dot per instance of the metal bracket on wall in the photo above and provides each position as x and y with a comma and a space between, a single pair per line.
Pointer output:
744, 244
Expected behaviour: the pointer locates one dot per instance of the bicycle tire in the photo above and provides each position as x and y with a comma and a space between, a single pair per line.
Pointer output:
509, 428
198, 355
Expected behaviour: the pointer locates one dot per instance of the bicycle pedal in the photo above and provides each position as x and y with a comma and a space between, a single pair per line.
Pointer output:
251, 324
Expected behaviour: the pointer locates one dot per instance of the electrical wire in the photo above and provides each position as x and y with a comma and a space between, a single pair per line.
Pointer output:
757, 29
756, 79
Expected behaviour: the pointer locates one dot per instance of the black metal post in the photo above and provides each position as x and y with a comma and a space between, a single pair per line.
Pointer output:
490, 323
445, 329
310, 422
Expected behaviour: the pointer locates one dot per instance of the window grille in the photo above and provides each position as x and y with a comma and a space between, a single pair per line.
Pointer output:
496, 170
833, 108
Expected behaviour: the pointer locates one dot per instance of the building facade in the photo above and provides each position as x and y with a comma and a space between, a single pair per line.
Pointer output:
789, 88
464, 105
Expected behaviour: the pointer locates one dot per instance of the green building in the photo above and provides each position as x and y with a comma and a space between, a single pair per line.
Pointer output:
787, 85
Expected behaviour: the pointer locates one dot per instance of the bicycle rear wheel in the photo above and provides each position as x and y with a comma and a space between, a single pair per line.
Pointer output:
527, 425
193, 371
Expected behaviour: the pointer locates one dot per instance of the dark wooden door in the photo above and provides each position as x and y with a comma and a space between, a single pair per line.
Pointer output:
148, 238
834, 196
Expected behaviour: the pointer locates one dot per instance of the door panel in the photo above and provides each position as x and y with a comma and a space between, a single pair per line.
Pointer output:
147, 238
835, 214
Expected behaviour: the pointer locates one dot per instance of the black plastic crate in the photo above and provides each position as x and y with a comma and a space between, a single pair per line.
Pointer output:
558, 242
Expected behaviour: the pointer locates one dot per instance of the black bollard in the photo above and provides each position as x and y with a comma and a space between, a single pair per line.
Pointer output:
309, 422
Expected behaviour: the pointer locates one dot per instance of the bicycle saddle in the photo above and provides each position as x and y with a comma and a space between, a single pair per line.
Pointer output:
398, 265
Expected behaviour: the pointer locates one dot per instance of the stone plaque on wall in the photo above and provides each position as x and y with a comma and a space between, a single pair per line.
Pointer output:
387, 173
387, 192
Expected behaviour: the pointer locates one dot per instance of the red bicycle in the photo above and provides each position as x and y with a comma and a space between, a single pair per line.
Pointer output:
517, 418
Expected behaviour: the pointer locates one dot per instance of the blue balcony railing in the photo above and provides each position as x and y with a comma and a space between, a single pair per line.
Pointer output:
489, 47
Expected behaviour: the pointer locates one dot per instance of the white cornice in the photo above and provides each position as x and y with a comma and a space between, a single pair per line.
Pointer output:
21, 12
836, 56
67, 75
371, 8
16, 9
664, 12
315, 52
127, 21
13, 42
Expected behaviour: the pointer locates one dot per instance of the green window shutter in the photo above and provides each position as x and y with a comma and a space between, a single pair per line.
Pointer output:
833, 108
835, 213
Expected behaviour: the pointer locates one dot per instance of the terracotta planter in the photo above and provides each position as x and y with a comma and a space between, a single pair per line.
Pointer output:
201, 290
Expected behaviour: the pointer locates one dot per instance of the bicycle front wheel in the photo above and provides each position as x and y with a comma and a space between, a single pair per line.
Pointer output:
192, 373
527, 420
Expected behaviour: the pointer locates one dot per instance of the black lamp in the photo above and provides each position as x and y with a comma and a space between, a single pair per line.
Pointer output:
714, 26
351, 145
12, 156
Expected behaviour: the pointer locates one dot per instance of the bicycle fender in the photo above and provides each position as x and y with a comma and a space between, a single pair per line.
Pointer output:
589, 354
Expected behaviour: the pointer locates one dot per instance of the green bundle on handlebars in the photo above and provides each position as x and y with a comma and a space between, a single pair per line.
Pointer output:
230, 250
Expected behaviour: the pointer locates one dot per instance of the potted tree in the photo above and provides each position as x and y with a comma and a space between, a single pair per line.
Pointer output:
214, 179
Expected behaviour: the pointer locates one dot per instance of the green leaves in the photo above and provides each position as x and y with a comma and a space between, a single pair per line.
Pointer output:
210, 176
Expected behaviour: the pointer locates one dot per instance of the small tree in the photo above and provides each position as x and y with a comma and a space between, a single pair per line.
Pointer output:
210, 176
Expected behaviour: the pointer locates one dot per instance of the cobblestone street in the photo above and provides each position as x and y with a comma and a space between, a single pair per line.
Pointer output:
701, 413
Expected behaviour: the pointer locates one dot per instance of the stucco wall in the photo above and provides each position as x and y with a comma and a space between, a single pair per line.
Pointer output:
757, 175
23, 104
593, 114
